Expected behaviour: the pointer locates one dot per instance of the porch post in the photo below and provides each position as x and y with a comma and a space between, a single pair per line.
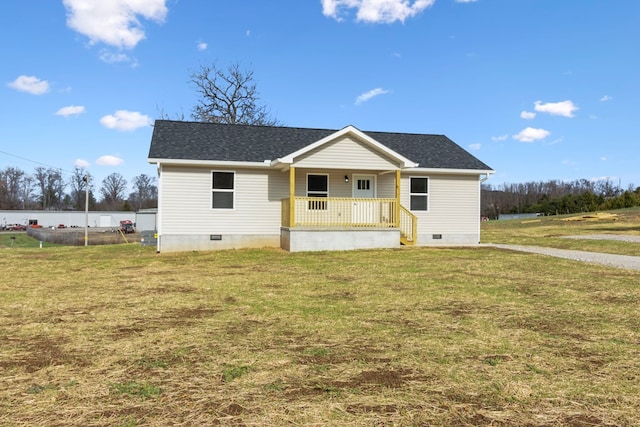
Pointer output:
292, 197
398, 198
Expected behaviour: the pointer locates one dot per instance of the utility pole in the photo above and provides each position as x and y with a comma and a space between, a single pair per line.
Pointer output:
86, 209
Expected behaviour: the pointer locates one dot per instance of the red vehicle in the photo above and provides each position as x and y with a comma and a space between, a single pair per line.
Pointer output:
15, 227
127, 227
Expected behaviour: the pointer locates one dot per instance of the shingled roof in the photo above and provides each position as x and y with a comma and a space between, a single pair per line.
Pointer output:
177, 140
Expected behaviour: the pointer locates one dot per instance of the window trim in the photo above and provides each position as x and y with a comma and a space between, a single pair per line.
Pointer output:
317, 206
224, 190
426, 194
307, 184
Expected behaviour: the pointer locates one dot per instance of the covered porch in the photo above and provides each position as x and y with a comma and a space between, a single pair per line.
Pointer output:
321, 222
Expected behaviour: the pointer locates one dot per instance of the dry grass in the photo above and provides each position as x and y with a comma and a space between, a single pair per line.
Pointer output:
550, 231
121, 336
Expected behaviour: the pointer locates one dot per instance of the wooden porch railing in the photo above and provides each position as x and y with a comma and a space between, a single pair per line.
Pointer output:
328, 212
408, 227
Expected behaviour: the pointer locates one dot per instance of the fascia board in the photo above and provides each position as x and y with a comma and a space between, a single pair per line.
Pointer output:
450, 171
186, 162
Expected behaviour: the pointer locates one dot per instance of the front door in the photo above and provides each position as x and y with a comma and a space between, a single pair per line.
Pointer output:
364, 211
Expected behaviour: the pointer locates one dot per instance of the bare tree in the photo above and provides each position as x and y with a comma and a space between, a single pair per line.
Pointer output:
4, 192
11, 180
229, 96
51, 187
145, 194
166, 116
78, 184
113, 190
26, 192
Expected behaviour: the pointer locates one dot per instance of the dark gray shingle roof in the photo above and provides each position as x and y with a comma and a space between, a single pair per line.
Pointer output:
243, 143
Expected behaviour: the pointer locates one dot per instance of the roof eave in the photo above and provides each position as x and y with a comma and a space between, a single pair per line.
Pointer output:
450, 171
221, 163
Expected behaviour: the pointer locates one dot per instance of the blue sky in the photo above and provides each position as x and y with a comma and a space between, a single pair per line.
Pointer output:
537, 89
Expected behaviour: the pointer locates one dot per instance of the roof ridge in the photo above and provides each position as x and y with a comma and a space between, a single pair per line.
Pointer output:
298, 127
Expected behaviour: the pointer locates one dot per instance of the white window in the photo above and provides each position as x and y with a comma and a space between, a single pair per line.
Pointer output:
419, 194
317, 186
222, 189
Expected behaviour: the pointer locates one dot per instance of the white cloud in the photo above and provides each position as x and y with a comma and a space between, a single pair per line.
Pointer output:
30, 84
500, 138
125, 120
202, 46
248, 33
109, 160
562, 108
113, 57
113, 22
604, 159
606, 98
376, 11
604, 178
371, 94
81, 163
531, 134
474, 147
528, 115
71, 110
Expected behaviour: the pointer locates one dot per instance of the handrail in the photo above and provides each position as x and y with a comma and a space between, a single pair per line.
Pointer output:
408, 226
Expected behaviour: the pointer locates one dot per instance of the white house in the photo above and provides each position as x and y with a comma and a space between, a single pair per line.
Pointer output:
236, 186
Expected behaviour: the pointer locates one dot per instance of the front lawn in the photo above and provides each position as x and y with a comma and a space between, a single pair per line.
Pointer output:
122, 336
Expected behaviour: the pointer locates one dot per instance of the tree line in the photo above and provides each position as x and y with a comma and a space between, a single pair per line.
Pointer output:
556, 197
47, 189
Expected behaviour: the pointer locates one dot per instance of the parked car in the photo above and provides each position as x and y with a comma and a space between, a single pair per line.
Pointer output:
15, 227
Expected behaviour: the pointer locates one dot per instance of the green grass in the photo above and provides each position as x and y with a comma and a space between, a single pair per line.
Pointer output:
19, 240
119, 335
131, 388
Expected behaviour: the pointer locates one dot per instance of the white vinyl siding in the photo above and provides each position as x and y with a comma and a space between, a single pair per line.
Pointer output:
386, 186
186, 202
454, 204
348, 153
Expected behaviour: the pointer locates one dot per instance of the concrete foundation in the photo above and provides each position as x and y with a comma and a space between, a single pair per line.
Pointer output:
300, 239
436, 239
211, 242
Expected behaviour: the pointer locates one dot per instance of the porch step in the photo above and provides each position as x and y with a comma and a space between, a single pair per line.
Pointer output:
406, 242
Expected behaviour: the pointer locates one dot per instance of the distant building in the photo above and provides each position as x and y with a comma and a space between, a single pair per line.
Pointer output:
519, 216
105, 219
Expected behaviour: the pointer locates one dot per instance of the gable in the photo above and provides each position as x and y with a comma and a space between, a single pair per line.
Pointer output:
345, 153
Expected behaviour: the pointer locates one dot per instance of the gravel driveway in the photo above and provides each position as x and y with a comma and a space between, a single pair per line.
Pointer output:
618, 261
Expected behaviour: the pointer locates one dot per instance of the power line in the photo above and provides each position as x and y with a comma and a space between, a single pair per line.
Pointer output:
37, 162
